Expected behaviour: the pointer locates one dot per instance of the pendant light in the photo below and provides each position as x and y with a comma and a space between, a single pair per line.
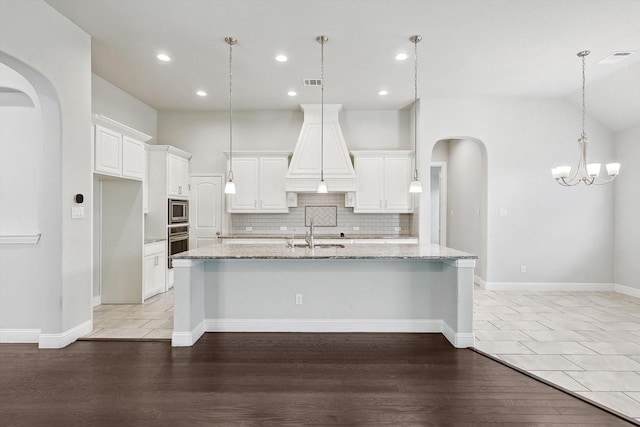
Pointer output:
415, 186
322, 185
230, 186
587, 173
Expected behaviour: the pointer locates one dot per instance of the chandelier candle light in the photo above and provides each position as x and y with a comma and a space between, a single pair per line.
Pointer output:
322, 185
230, 186
415, 186
587, 173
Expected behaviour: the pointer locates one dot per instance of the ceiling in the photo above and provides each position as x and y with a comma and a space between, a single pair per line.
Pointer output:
469, 48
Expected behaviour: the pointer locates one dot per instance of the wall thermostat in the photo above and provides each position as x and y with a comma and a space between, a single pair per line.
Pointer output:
79, 198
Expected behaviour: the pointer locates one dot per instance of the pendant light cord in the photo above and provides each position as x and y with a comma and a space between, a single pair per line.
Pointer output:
231, 41
415, 39
322, 40
584, 105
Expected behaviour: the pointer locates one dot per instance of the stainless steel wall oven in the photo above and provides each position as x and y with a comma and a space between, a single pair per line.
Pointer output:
178, 240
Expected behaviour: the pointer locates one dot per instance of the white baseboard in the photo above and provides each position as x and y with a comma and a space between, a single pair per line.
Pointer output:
323, 325
15, 336
65, 338
187, 339
97, 300
547, 286
627, 290
459, 340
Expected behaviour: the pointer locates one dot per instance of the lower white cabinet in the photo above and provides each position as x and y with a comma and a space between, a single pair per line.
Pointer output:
155, 268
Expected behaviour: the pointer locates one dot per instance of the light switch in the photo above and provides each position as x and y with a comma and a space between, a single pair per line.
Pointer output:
503, 212
77, 212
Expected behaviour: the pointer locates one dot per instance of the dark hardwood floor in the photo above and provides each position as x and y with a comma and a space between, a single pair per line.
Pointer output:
277, 380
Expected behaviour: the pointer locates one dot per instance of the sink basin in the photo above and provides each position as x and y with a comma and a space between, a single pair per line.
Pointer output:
320, 245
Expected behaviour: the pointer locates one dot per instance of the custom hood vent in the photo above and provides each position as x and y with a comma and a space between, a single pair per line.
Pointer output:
304, 169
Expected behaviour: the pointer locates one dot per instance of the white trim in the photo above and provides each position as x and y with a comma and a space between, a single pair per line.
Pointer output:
65, 338
187, 339
19, 335
548, 286
627, 290
20, 239
323, 325
121, 128
459, 340
97, 300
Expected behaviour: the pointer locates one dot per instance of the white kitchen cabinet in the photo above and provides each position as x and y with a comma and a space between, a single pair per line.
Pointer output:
118, 149
108, 151
155, 268
133, 164
383, 179
260, 183
178, 176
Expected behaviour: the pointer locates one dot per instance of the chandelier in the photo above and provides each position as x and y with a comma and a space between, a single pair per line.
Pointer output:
587, 173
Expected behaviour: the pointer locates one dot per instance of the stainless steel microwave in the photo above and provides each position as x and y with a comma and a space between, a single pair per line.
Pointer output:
178, 211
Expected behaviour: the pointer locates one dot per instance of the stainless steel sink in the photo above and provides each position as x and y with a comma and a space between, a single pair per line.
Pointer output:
320, 245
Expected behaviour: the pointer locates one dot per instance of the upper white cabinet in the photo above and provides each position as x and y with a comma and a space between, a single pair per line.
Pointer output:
383, 179
118, 149
260, 182
178, 176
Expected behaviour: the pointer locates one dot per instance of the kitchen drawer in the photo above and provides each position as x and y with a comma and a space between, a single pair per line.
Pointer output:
154, 248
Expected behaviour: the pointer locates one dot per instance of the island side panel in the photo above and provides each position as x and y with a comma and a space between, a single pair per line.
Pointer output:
457, 302
188, 307
360, 295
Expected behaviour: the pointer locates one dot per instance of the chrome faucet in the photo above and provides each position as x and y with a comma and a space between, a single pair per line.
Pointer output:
310, 240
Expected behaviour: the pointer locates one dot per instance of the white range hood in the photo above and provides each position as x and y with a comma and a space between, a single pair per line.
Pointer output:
304, 169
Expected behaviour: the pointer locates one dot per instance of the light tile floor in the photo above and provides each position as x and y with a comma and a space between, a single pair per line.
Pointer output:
585, 342
151, 320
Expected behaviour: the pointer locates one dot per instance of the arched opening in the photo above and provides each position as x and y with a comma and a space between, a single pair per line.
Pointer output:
458, 211
30, 203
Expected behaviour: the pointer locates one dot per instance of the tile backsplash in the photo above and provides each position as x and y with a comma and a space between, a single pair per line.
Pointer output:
346, 220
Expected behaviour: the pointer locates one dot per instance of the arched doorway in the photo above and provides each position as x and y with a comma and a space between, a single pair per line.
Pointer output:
458, 211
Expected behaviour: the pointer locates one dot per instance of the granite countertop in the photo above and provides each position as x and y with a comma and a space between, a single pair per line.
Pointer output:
147, 241
364, 251
317, 236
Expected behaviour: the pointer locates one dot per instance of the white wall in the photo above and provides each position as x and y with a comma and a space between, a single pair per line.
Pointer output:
561, 234
113, 102
627, 206
206, 134
55, 56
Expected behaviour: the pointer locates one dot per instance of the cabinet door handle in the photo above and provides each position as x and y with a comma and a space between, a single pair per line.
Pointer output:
255, 204
179, 189
380, 204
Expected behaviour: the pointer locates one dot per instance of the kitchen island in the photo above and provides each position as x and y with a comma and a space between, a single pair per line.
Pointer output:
340, 288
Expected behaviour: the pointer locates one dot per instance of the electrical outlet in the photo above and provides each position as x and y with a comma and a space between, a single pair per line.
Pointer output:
523, 268
502, 212
397, 228
298, 299
248, 229
283, 228
356, 228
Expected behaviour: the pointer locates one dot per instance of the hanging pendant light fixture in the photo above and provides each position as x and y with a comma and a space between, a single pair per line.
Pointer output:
587, 173
415, 186
230, 186
322, 185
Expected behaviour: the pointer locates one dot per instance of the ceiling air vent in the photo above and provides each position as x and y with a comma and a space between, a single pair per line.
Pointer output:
615, 57
312, 82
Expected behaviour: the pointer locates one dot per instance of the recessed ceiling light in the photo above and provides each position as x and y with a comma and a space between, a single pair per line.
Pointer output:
401, 56
281, 58
292, 93
616, 57
201, 93
383, 93
164, 57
